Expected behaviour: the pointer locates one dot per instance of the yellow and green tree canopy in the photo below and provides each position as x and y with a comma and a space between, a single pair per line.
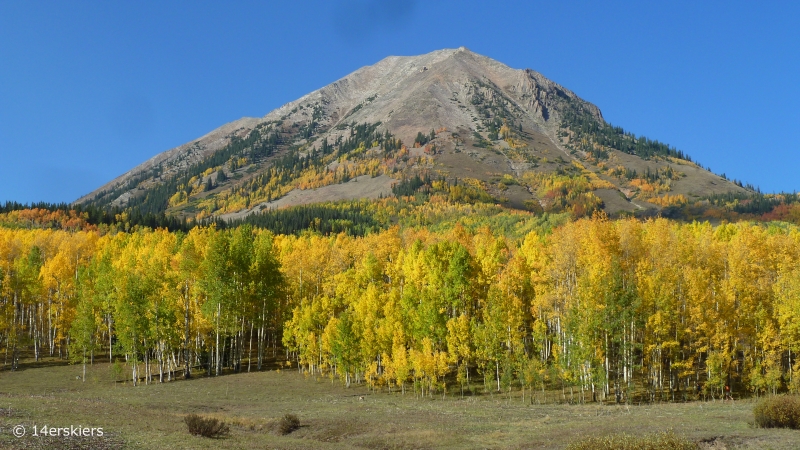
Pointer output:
599, 305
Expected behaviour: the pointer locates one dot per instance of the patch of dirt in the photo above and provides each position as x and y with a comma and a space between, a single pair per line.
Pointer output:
517, 196
361, 187
613, 201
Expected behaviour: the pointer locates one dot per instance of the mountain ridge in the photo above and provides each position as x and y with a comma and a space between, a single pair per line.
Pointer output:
468, 116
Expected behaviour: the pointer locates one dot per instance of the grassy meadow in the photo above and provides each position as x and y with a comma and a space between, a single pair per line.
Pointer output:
333, 416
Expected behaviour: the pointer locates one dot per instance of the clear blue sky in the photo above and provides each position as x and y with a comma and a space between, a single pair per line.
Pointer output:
88, 90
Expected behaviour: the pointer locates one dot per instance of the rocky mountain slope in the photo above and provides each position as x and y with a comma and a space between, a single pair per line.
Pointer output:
460, 123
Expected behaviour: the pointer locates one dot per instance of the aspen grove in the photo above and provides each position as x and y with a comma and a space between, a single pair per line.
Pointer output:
595, 308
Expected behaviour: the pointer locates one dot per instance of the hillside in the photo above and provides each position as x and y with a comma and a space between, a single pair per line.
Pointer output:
467, 127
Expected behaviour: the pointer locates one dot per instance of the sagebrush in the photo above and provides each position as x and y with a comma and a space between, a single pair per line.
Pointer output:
781, 411
206, 426
288, 423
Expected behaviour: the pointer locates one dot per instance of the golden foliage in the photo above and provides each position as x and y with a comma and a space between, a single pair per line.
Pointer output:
593, 303
669, 200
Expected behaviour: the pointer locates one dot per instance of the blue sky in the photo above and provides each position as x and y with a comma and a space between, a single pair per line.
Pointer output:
88, 90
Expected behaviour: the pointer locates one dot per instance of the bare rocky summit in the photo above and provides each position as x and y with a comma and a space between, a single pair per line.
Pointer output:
412, 93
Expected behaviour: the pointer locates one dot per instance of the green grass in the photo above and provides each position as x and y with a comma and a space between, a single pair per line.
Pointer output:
332, 416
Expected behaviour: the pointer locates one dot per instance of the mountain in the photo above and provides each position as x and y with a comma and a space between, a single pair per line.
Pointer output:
450, 122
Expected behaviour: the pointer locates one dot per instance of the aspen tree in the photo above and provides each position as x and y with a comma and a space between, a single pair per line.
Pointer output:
268, 288
87, 321
215, 282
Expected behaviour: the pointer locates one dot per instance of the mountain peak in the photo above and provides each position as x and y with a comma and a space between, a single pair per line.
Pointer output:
451, 113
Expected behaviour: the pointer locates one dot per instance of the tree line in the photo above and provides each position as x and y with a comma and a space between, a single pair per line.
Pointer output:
597, 308
164, 302
85, 216
651, 310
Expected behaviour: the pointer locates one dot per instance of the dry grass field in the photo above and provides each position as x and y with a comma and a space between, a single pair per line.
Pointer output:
332, 416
